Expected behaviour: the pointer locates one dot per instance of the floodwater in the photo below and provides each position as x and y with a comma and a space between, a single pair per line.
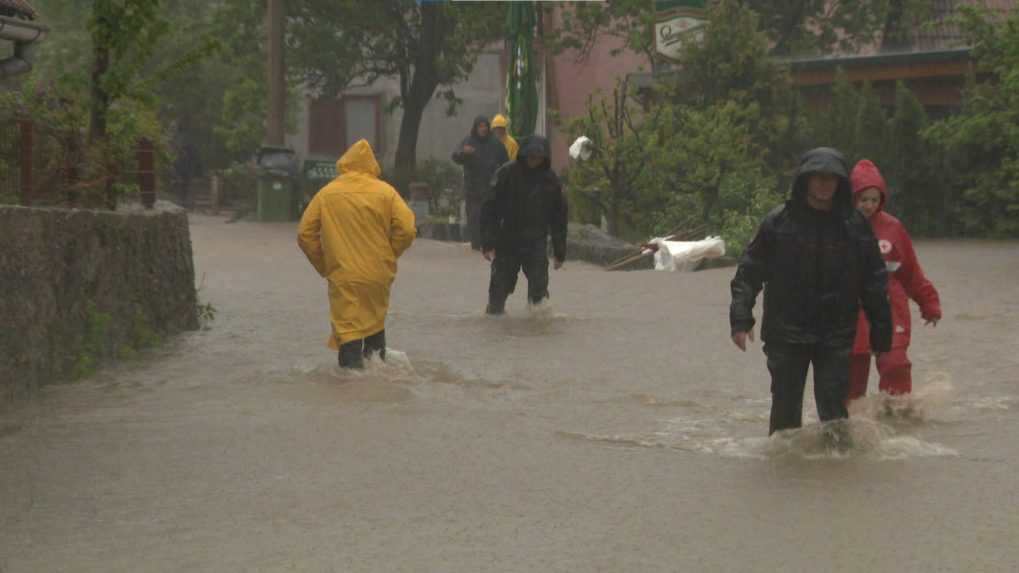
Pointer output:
617, 429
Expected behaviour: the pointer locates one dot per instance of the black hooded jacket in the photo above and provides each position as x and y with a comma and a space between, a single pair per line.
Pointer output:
816, 268
526, 205
489, 154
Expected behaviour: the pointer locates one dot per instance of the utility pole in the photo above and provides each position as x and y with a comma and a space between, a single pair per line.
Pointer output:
277, 77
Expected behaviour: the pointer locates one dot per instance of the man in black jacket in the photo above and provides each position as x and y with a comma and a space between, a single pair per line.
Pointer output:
817, 260
481, 154
524, 207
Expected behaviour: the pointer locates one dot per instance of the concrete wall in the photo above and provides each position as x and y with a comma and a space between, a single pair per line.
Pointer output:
79, 287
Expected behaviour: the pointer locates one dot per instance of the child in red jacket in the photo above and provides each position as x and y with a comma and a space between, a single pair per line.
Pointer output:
905, 281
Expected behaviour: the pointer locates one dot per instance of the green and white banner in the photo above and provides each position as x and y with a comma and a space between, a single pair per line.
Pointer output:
677, 22
521, 88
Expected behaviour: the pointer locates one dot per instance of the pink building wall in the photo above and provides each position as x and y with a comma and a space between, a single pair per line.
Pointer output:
570, 84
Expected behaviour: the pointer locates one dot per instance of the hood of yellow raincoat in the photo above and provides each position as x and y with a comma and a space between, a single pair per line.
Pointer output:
359, 159
499, 121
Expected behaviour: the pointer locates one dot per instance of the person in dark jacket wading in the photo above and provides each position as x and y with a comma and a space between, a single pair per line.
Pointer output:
524, 207
480, 154
817, 260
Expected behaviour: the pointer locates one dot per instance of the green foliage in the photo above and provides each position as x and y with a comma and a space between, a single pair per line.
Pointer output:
206, 314
719, 176
445, 179
800, 27
815, 26
60, 117
856, 124
101, 71
94, 342
703, 153
617, 181
430, 47
240, 183
124, 35
239, 126
631, 22
98, 341
914, 167
981, 144
720, 138
142, 335
731, 60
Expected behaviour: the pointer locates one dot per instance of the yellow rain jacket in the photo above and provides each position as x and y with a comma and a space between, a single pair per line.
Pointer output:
511, 145
352, 232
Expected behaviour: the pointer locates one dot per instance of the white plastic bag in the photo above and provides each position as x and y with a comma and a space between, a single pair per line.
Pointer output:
582, 148
686, 255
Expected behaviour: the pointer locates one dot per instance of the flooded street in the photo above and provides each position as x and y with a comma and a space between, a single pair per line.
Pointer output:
617, 430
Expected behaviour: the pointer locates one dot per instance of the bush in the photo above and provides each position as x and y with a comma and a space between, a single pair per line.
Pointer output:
60, 118
445, 179
981, 145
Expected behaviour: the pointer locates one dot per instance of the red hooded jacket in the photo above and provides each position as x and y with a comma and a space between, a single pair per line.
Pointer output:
905, 277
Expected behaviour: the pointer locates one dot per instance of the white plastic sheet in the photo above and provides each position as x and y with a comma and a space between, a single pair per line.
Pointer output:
686, 255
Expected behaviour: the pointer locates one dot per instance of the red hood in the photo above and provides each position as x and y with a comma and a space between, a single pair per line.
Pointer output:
866, 175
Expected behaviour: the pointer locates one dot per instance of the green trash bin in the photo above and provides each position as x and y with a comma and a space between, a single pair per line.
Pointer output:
277, 197
316, 175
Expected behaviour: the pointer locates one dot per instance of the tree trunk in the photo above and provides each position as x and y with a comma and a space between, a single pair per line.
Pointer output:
100, 99
97, 125
276, 74
406, 149
419, 92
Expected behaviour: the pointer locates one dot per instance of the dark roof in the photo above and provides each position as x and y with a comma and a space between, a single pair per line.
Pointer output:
941, 31
17, 9
939, 38
879, 58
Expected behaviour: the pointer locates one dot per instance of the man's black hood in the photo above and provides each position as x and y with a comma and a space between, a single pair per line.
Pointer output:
535, 145
477, 122
824, 160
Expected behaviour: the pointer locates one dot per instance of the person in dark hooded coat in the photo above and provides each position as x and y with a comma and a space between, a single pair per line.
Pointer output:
480, 154
817, 259
524, 208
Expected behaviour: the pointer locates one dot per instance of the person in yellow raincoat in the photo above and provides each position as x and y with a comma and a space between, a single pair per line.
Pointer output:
352, 233
500, 127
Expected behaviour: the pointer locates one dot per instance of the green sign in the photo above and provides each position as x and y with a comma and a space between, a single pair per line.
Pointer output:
677, 22
320, 170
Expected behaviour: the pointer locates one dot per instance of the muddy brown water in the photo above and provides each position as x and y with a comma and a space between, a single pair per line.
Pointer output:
616, 430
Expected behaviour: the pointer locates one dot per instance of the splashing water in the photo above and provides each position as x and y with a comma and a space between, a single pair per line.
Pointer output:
838, 440
930, 402
543, 311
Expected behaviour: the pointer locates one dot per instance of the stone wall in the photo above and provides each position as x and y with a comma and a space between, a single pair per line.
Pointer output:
80, 287
589, 243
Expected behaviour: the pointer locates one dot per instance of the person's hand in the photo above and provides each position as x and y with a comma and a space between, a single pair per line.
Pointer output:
468, 149
557, 264
740, 339
489, 254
